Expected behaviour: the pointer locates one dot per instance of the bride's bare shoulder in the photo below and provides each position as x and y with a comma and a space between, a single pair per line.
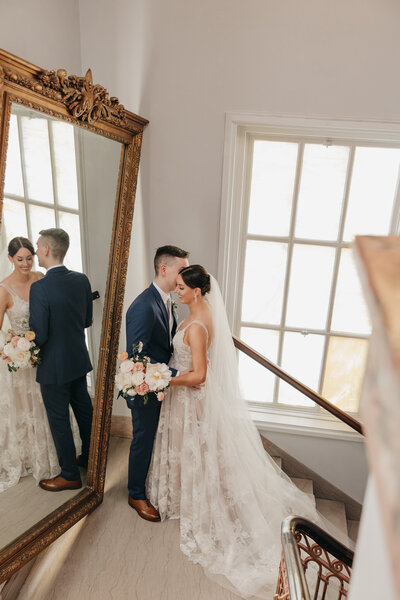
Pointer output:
37, 275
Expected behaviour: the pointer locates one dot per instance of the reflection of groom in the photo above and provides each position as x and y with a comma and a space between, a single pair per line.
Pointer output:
60, 307
150, 320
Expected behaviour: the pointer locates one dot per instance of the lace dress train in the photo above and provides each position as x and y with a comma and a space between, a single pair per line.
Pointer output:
26, 443
229, 495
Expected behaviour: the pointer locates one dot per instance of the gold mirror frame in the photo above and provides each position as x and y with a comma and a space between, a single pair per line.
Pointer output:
80, 102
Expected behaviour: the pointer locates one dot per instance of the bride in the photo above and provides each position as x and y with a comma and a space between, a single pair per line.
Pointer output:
26, 444
209, 467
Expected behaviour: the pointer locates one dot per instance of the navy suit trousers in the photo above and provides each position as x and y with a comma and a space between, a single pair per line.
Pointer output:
57, 399
144, 426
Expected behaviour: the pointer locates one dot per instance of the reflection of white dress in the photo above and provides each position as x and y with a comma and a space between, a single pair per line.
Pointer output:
215, 476
26, 443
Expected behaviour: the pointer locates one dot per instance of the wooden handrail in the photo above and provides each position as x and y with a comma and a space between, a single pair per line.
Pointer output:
334, 410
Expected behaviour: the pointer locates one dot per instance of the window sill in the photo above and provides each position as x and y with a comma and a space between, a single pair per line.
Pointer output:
295, 422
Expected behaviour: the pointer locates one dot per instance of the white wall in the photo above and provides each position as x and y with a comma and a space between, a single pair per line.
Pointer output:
44, 32
193, 61
342, 463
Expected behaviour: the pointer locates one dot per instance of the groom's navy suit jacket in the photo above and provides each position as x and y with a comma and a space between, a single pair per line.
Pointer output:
147, 322
60, 307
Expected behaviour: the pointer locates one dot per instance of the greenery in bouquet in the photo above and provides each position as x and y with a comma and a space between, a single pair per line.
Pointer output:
137, 375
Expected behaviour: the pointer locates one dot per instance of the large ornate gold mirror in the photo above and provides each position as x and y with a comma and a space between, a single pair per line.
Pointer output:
69, 157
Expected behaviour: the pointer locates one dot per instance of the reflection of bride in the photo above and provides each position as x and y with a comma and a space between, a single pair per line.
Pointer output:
26, 444
209, 468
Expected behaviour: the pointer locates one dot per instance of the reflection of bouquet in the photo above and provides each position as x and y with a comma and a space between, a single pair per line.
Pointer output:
139, 376
19, 350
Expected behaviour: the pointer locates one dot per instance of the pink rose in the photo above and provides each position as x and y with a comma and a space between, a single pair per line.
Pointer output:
160, 396
4, 356
15, 340
138, 366
142, 389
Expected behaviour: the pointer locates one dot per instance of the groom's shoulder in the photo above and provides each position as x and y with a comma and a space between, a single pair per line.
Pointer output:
145, 298
145, 295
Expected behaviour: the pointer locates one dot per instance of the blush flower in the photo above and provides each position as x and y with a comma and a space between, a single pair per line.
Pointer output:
30, 335
142, 389
160, 396
123, 355
138, 366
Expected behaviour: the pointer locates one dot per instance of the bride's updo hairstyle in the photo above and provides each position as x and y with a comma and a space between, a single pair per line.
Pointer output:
20, 242
195, 276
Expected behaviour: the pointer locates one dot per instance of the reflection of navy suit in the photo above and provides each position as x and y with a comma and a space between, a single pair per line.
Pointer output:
147, 322
60, 308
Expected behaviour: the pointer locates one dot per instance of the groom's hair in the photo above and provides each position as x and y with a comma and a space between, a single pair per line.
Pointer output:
57, 240
166, 254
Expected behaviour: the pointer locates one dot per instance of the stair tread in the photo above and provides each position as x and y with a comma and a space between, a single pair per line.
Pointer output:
334, 511
352, 528
305, 485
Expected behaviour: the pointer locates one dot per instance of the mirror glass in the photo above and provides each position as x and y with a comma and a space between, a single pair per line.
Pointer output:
57, 175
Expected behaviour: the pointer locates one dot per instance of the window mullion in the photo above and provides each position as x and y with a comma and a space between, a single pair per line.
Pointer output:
299, 166
335, 274
24, 179
249, 151
53, 172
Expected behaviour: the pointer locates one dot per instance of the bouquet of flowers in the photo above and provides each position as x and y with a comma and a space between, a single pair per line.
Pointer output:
138, 375
19, 350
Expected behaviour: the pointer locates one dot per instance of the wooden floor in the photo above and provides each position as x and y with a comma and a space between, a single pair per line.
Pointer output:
25, 504
113, 554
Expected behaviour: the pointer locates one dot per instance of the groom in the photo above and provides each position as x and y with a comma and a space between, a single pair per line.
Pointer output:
150, 320
60, 309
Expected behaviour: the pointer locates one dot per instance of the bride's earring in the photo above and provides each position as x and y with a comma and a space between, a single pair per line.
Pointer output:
195, 298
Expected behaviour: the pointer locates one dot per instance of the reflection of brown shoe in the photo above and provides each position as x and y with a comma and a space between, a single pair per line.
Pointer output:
57, 484
144, 509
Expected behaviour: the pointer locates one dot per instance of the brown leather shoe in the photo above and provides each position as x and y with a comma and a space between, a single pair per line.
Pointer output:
144, 509
57, 484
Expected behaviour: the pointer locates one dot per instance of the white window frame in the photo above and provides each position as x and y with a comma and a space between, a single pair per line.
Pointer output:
240, 129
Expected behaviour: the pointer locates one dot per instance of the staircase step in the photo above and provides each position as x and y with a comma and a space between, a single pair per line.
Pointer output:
334, 511
352, 528
305, 485
278, 461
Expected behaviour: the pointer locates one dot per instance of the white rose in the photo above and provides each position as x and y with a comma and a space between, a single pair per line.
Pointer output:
137, 378
21, 359
126, 366
10, 350
157, 376
23, 344
131, 392
123, 381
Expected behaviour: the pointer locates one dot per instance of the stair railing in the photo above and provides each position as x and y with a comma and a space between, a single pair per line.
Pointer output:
306, 545
320, 400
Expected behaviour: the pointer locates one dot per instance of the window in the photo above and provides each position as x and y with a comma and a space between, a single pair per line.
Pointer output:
295, 197
41, 190
42, 185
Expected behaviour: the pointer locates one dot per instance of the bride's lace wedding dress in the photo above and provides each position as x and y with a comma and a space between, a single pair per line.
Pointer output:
210, 470
26, 443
